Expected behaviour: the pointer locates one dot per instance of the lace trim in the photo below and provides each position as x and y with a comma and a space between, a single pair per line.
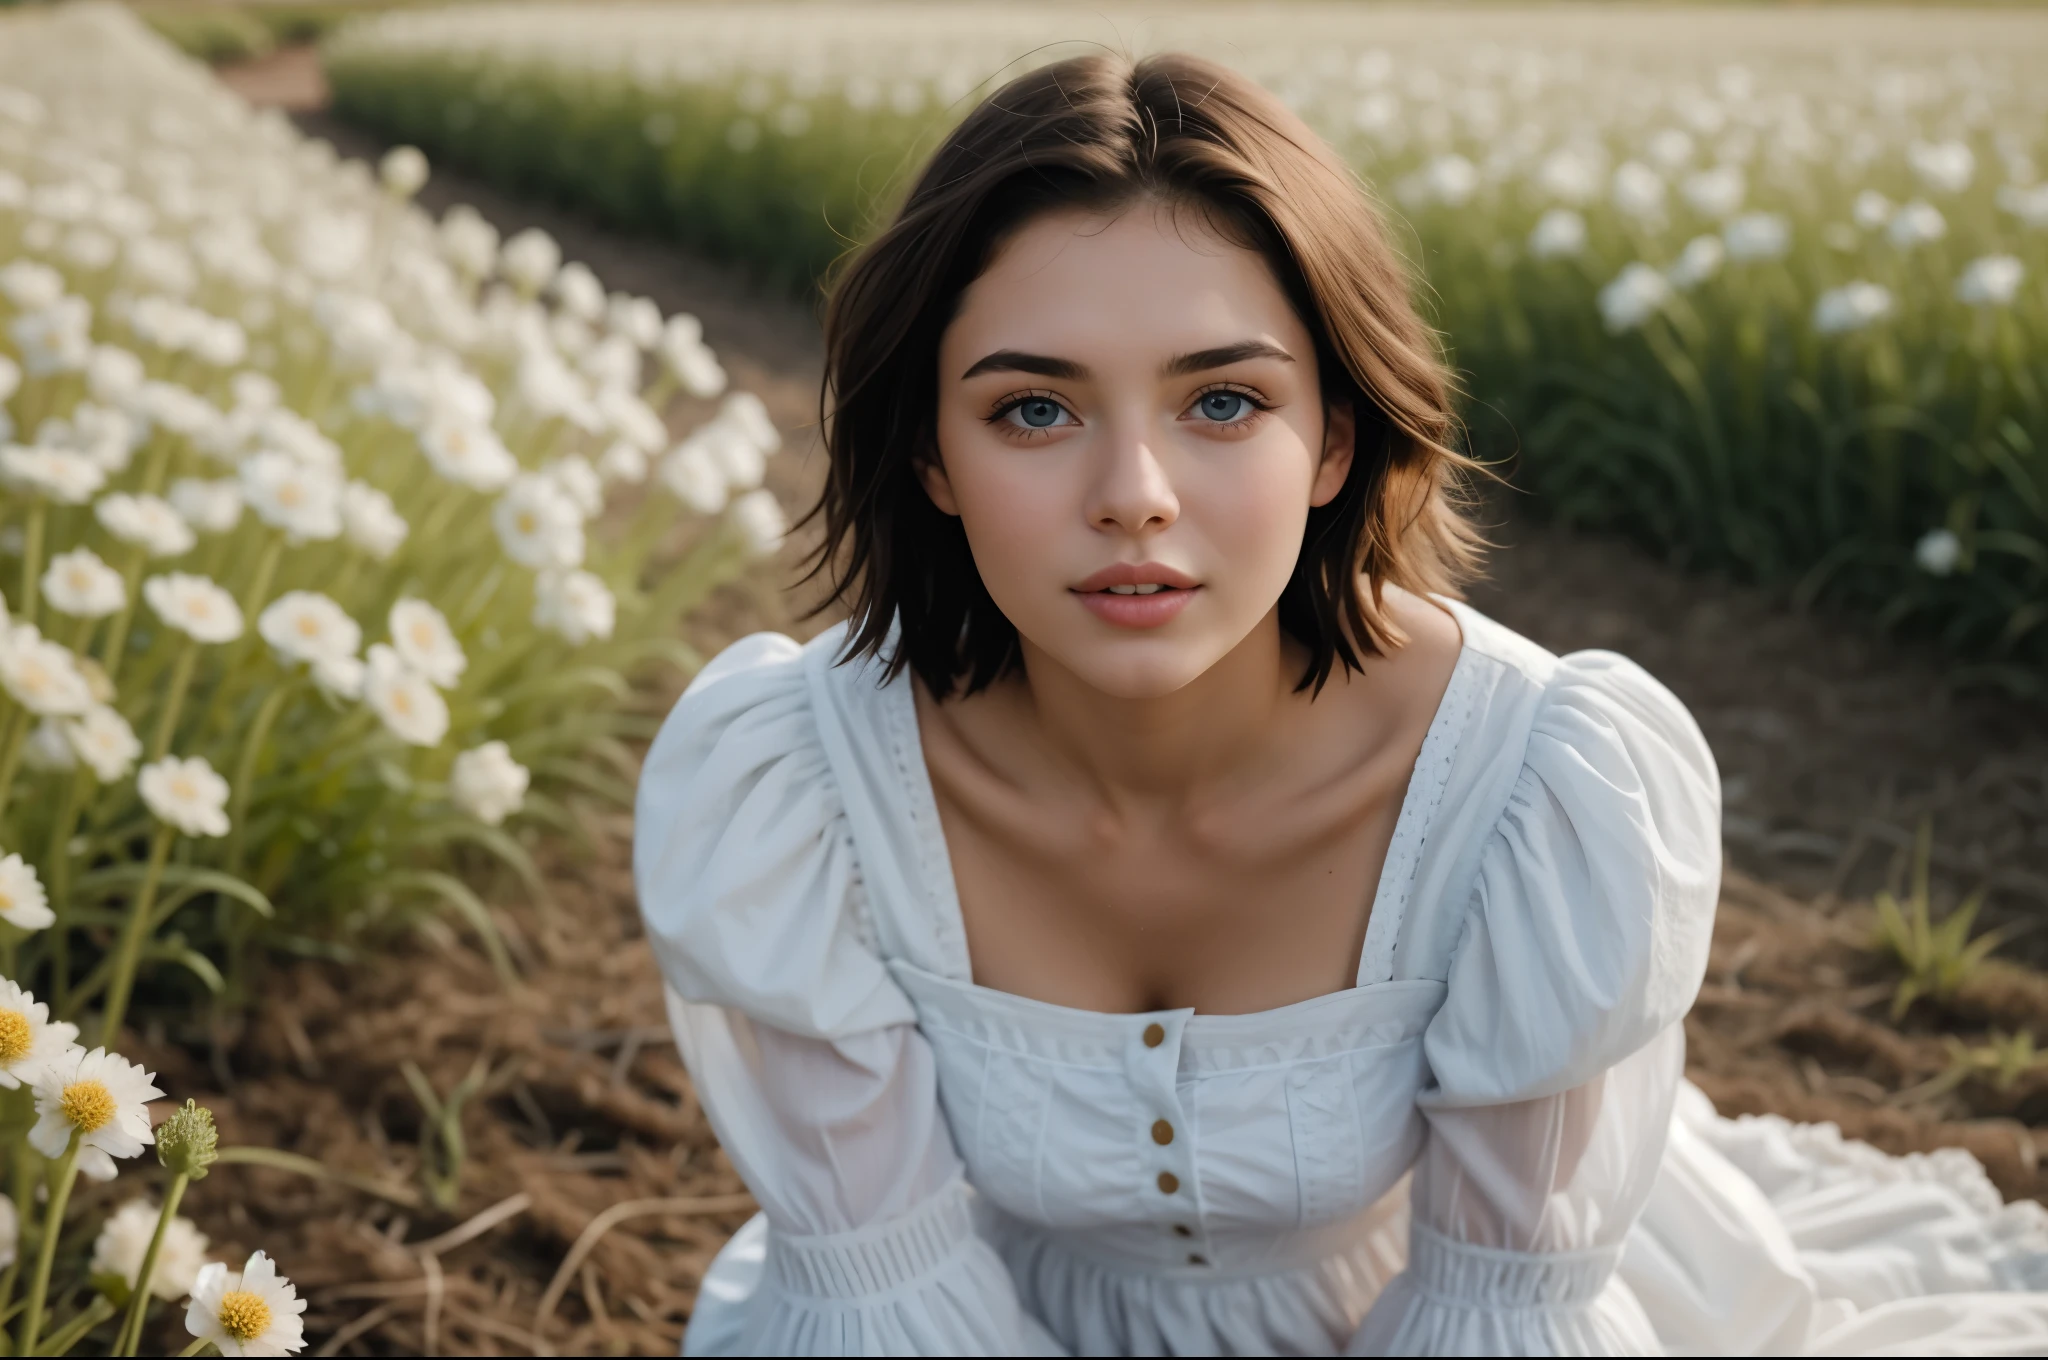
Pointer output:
1432, 773
934, 862
1458, 1275
871, 1261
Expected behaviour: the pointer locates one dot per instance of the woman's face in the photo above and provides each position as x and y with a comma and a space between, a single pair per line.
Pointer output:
1131, 430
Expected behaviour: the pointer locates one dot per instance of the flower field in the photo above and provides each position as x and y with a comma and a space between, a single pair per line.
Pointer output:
1764, 299
332, 571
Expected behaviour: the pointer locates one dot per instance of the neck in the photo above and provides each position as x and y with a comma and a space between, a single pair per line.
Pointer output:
1166, 747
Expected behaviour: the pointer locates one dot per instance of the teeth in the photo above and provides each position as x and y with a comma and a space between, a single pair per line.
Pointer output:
1136, 590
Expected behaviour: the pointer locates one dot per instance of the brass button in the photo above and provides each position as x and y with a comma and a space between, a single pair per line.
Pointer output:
1162, 1132
1195, 1259
1155, 1035
1181, 1228
1168, 1182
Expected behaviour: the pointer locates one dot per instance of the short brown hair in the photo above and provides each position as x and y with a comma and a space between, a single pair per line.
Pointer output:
1101, 132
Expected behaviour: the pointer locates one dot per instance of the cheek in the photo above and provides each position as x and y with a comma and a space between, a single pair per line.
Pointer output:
1014, 503
1249, 502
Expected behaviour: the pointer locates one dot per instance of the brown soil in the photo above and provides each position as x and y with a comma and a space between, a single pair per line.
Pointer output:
600, 1193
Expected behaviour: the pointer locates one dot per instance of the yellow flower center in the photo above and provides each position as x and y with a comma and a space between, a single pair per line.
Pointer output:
290, 495
184, 790
309, 627
197, 610
15, 1035
243, 1315
401, 703
87, 1104
528, 522
423, 635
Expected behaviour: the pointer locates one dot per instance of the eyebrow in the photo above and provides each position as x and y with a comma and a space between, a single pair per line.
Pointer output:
1199, 361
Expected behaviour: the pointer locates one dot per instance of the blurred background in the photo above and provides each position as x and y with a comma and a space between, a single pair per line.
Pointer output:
1749, 303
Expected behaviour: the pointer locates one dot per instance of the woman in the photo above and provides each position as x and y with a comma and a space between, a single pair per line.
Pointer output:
1165, 918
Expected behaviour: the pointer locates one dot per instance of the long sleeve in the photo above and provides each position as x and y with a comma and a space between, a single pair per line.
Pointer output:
1558, 1053
803, 1050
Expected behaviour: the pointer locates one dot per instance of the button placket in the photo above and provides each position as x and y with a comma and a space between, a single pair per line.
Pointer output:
1152, 1062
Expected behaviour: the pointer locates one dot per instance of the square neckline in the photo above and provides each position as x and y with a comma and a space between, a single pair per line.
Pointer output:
1441, 743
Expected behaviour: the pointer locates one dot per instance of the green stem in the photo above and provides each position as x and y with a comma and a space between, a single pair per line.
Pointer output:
10, 752
117, 631
59, 863
91, 1316
245, 769
197, 1346
138, 1302
46, 1251
167, 720
21, 1185
122, 980
32, 559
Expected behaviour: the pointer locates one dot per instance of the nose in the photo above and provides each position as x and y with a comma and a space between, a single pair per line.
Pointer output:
1132, 493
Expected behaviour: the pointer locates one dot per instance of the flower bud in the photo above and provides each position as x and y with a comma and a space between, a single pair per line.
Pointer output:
187, 1143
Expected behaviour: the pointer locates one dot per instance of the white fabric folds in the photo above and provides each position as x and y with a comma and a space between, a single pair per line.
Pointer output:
1485, 1146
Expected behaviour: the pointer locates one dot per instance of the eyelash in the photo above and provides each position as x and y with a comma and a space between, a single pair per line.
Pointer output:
1011, 402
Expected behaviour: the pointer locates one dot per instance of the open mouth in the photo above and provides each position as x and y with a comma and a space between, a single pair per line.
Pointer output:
1147, 605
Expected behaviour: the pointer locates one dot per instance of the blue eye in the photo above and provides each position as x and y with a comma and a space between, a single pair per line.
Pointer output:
1038, 413
1224, 407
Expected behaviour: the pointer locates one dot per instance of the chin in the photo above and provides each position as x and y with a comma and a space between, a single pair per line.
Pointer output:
1134, 668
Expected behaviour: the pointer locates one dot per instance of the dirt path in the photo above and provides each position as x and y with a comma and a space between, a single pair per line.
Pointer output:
1832, 745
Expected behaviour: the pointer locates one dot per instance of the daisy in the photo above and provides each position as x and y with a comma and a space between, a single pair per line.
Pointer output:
575, 604
99, 1096
55, 474
147, 522
471, 455
761, 521
43, 677
194, 606
29, 1039
252, 1311
304, 625
488, 784
103, 739
339, 677
46, 751
78, 583
694, 478
186, 794
303, 499
124, 1241
538, 524
371, 522
213, 506
425, 641
23, 904
409, 705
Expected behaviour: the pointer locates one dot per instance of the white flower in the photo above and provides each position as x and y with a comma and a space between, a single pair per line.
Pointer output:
101, 1097
339, 676
694, 476
1449, 179
186, 794
2030, 205
622, 462
55, 474
1571, 173
1851, 307
1938, 552
403, 170
23, 903
426, 643
114, 375
468, 241
1714, 193
147, 522
43, 677
1559, 232
1632, 297
638, 319
487, 783
575, 604
213, 506
46, 750
29, 1038
253, 1311
1917, 222
370, 520
1638, 191
1698, 262
304, 625
1872, 210
407, 702
105, 435
1990, 281
195, 606
759, 518
302, 499
750, 415
530, 260
1944, 167
577, 290
538, 524
683, 352
1757, 236
78, 583
10, 382
10, 1232
471, 455
103, 739
124, 1240
30, 285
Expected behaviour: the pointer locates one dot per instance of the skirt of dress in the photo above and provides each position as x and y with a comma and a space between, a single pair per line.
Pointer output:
1761, 1237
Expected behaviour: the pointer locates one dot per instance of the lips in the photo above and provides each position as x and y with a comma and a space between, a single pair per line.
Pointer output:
1137, 594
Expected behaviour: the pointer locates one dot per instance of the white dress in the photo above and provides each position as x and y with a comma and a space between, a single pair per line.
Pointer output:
1485, 1146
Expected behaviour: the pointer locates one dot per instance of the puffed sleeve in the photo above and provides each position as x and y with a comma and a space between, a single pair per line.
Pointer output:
1559, 1050
803, 1050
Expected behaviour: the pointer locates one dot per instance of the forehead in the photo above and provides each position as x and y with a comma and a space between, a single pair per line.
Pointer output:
1149, 281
